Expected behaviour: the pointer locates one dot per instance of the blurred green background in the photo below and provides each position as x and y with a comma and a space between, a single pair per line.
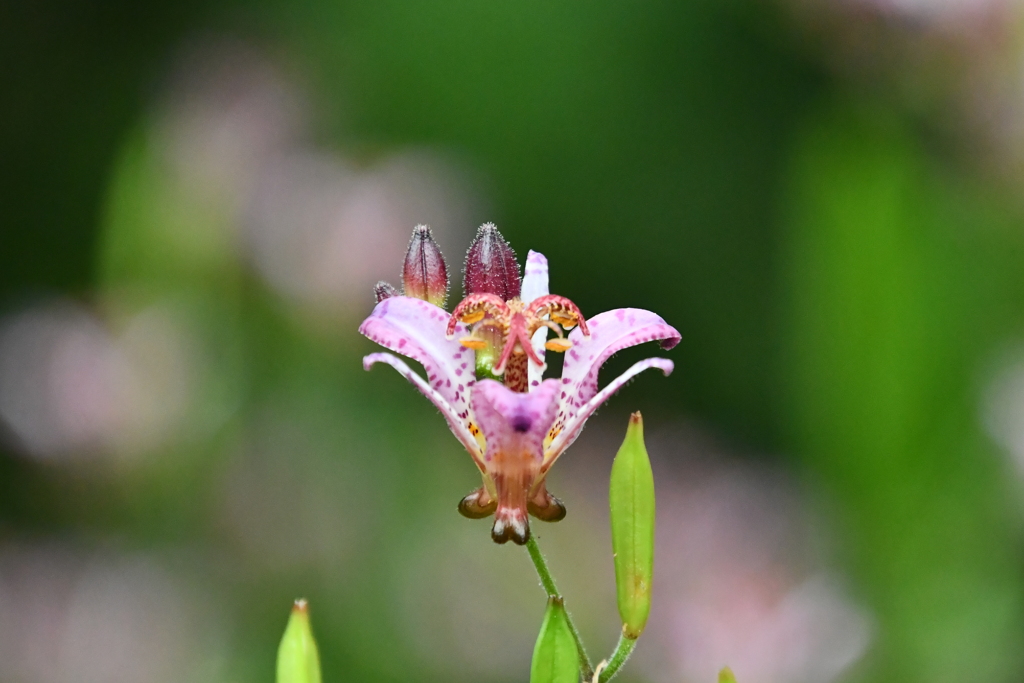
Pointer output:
823, 198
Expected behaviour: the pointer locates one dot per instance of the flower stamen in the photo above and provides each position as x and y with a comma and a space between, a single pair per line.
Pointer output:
558, 344
477, 307
515, 323
474, 343
560, 310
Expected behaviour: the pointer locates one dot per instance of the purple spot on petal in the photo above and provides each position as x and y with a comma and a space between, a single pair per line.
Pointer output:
521, 423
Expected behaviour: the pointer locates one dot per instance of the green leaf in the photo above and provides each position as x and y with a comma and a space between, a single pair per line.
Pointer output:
297, 657
725, 676
632, 514
555, 659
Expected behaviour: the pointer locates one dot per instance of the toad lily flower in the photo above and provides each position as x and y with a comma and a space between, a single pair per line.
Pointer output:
514, 430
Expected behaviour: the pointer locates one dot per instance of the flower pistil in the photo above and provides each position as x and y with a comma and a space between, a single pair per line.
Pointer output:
516, 322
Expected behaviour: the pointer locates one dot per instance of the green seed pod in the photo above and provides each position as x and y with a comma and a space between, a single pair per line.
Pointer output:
555, 659
632, 514
725, 676
297, 657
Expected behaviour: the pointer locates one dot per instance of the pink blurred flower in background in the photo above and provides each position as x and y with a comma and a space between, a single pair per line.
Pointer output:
737, 580
71, 386
103, 618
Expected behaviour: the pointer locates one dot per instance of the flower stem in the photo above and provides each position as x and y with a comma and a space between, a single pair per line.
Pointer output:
618, 658
548, 582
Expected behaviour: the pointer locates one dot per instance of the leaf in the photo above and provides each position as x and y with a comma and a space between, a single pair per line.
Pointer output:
555, 659
297, 658
631, 499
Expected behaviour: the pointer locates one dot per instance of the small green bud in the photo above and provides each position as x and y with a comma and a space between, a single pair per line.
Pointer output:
631, 500
297, 657
555, 659
725, 676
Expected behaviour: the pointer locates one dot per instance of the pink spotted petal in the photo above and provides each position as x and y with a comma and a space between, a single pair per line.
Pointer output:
610, 332
416, 328
535, 284
572, 428
514, 424
458, 424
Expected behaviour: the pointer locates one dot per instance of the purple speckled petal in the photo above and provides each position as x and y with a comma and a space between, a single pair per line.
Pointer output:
610, 332
456, 422
416, 328
535, 284
514, 424
572, 428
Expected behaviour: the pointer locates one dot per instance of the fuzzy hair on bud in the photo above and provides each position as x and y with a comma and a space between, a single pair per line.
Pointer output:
424, 273
491, 266
384, 290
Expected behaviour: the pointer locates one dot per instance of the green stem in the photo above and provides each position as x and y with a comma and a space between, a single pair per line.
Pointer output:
618, 658
548, 582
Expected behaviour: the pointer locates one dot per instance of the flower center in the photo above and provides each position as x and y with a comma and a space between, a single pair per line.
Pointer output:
506, 329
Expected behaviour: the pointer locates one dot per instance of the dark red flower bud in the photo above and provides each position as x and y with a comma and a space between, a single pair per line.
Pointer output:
425, 275
491, 266
384, 290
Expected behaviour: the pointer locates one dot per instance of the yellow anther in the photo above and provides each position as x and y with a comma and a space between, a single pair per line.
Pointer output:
471, 317
559, 344
566, 321
473, 343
